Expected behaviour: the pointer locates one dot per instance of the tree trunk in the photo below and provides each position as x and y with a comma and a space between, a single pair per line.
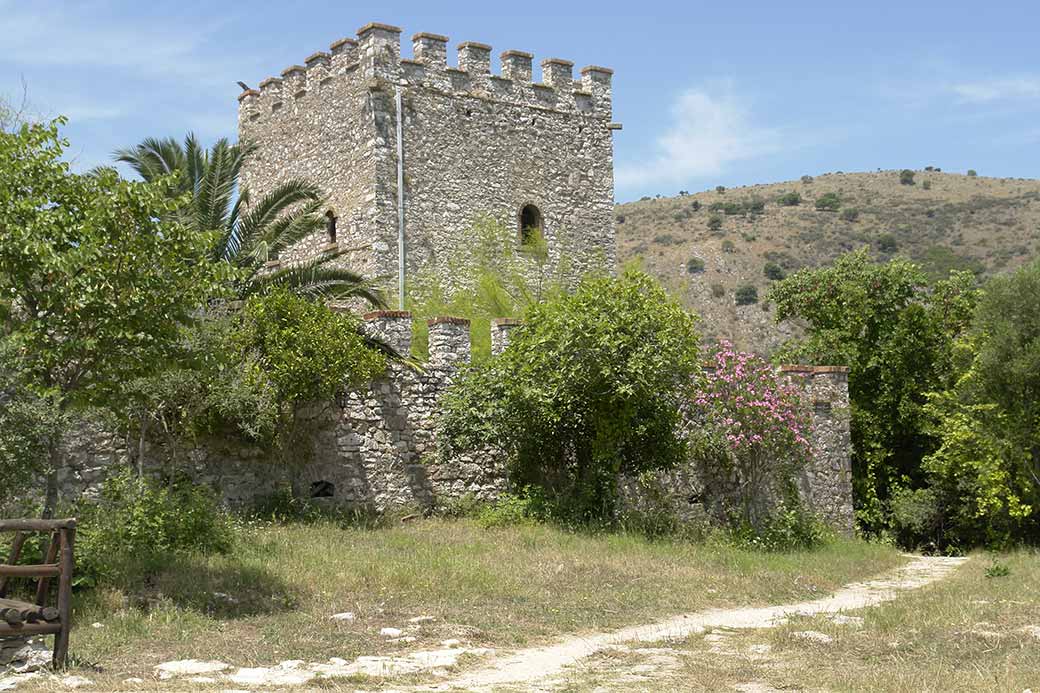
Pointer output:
50, 498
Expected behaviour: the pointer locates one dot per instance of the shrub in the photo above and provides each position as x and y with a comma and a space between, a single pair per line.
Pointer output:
748, 236
745, 295
790, 527
829, 202
927, 185
972, 173
645, 198
807, 179
728, 247
791, 199
720, 189
694, 265
136, 525
750, 427
666, 239
714, 222
589, 388
620, 218
906, 177
508, 511
695, 205
773, 271
850, 214
887, 243
718, 290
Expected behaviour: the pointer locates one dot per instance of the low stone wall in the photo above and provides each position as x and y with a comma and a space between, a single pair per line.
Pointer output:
375, 448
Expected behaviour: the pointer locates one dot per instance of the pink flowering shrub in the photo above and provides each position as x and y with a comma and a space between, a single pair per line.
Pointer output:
751, 426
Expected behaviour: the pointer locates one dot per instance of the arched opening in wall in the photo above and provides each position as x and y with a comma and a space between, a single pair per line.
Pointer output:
323, 489
531, 228
330, 225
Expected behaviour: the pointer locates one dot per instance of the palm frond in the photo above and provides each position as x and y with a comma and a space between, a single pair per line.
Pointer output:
154, 158
315, 279
256, 226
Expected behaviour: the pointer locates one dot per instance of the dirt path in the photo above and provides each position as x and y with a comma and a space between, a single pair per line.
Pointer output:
526, 668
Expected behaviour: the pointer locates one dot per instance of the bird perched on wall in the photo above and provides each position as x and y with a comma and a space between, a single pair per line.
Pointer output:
245, 87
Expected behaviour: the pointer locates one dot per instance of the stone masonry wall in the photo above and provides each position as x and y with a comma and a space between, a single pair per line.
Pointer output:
375, 448
476, 145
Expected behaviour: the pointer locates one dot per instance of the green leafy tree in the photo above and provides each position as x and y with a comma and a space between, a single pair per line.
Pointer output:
251, 232
98, 276
589, 388
791, 199
987, 467
896, 334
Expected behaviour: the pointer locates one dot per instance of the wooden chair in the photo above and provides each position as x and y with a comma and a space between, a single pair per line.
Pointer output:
19, 618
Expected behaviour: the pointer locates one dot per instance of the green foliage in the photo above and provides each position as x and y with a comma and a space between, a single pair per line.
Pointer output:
806, 179
248, 232
745, 295
887, 243
927, 185
997, 569
906, 177
828, 202
895, 332
850, 214
493, 279
718, 290
589, 388
972, 173
694, 265
789, 528
720, 189
940, 260
728, 246
752, 205
714, 222
137, 525
791, 199
509, 510
987, 466
773, 271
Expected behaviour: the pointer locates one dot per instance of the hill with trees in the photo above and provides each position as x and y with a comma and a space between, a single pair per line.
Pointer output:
721, 249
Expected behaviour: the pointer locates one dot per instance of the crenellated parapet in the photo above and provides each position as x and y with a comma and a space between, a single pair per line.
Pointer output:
374, 60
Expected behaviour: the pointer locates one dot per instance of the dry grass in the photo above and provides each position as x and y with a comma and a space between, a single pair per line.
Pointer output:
987, 223
270, 600
967, 633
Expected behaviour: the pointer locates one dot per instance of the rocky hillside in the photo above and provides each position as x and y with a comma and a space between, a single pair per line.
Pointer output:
712, 247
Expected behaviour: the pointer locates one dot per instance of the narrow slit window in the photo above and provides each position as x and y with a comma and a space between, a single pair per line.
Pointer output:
330, 225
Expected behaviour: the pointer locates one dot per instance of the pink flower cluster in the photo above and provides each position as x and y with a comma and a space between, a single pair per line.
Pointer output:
751, 407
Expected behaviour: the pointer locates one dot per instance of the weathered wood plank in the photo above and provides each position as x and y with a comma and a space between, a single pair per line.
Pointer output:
52, 557
30, 629
12, 558
61, 640
30, 571
36, 525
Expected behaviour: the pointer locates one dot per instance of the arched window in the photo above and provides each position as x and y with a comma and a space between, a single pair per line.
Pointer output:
330, 225
530, 225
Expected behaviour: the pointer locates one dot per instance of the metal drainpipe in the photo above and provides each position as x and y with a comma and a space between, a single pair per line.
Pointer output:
400, 197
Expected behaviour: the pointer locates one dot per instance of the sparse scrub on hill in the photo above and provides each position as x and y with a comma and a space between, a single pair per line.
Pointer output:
728, 246
694, 265
718, 290
828, 202
720, 189
806, 179
745, 294
906, 177
773, 271
887, 243
791, 199
972, 173
714, 222
850, 214
926, 185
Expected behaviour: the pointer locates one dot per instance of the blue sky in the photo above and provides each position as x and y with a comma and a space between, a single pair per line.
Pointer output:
709, 92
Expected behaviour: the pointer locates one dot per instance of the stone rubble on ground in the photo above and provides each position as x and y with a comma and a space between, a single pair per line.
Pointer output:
813, 636
189, 667
422, 619
391, 632
23, 655
344, 616
1031, 630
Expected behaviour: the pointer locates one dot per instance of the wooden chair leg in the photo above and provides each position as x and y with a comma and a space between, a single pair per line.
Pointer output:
61, 640
52, 555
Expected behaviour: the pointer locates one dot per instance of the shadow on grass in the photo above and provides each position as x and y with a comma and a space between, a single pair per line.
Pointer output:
216, 587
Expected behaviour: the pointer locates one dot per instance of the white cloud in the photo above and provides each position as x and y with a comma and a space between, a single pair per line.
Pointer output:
986, 91
707, 132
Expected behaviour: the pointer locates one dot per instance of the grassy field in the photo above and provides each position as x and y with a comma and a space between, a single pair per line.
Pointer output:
271, 598
944, 220
969, 632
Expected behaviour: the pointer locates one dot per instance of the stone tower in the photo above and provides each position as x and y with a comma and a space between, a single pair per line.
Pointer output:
473, 145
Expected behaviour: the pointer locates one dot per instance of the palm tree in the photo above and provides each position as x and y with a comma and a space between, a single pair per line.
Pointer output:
250, 234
